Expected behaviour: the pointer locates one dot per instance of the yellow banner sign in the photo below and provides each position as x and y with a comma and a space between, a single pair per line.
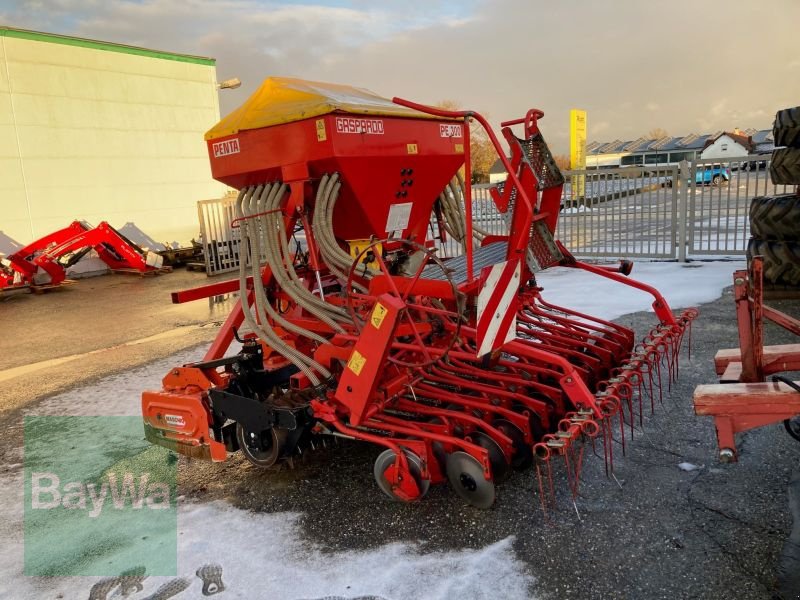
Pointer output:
577, 149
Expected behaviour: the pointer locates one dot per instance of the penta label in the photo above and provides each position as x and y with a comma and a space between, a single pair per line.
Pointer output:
225, 148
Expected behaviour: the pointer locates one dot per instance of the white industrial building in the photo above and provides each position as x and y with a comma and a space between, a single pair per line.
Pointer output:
99, 131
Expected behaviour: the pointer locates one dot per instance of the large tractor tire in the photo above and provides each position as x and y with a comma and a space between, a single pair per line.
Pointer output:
785, 166
775, 217
781, 259
786, 129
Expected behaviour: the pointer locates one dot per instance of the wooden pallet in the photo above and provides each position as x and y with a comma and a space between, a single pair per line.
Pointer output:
15, 289
781, 292
149, 273
47, 288
195, 266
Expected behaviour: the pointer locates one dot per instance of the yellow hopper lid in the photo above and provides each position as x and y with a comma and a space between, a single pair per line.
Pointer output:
284, 100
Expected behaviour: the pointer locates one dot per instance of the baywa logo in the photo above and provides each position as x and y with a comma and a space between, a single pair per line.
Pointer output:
98, 498
47, 493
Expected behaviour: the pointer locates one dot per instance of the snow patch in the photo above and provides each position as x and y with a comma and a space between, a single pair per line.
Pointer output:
262, 555
682, 285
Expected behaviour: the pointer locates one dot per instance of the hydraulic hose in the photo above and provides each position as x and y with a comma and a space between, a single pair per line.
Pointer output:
338, 261
270, 192
280, 260
246, 252
452, 204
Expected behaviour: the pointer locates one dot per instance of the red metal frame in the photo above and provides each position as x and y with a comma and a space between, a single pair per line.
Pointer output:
567, 378
743, 400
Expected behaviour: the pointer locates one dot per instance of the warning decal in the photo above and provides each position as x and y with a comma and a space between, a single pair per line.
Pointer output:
497, 310
322, 135
356, 362
378, 315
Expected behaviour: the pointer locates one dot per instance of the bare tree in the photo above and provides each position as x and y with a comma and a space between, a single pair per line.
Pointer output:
482, 152
657, 133
562, 161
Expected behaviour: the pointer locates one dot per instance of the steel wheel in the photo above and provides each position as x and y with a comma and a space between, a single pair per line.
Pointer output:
715, 180
465, 474
385, 460
264, 449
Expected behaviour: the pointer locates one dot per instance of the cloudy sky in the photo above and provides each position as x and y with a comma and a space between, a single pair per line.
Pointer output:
682, 65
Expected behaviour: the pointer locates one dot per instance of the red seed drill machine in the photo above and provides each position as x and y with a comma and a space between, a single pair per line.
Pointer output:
457, 368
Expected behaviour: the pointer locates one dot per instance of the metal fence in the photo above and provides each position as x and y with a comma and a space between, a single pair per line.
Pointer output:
621, 212
610, 212
669, 212
717, 213
220, 240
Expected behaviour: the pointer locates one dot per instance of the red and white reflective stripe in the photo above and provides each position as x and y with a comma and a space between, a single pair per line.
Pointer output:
497, 306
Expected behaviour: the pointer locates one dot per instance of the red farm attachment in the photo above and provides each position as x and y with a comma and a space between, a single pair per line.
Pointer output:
458, 368
744, 399
46, 260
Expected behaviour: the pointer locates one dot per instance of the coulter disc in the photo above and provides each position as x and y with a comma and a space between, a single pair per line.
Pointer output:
522, 457
466, 476
500, 468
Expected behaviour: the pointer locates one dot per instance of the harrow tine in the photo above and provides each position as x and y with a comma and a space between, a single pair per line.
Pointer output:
608, 446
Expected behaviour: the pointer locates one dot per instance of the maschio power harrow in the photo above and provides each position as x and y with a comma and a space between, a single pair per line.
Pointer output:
457, 368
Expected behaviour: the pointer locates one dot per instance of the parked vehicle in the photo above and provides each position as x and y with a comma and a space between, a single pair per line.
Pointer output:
753, 165
712, 174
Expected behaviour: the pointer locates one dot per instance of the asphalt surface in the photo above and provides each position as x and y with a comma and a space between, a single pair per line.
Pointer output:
656, 531
96, 327
651, 531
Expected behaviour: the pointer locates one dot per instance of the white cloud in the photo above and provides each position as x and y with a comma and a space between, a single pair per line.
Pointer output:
629, 63
599, 128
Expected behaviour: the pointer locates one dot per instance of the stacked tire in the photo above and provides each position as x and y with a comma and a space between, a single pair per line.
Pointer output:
775, 220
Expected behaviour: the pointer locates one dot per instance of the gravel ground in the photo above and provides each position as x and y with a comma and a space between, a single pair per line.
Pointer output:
657, 532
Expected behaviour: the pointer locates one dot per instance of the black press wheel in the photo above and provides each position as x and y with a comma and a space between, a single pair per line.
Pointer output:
500, 468
792, 425
262, 449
